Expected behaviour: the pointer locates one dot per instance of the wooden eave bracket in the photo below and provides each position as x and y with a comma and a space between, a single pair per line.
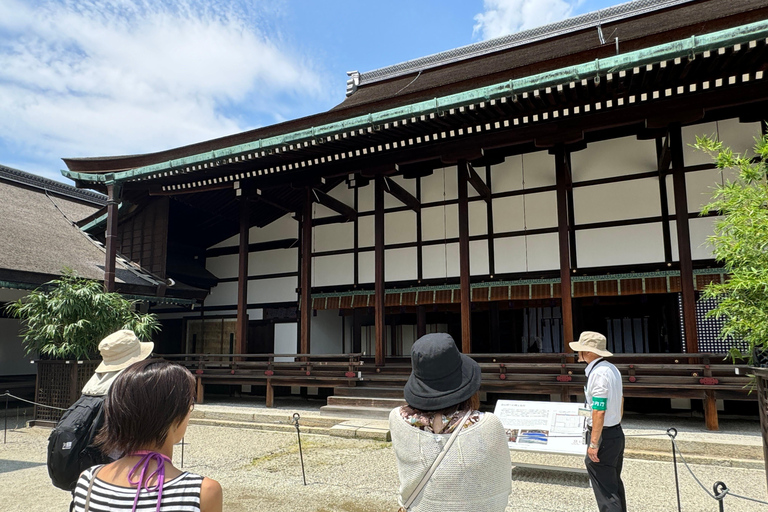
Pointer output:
334, 204
665, 159
401, 194
478, 184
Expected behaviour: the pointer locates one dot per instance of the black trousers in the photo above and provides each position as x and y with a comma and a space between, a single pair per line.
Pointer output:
606, 474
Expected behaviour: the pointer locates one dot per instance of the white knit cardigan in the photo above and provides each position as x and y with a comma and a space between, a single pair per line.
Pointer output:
476, 473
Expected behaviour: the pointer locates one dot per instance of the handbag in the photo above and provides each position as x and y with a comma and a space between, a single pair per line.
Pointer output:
417, 490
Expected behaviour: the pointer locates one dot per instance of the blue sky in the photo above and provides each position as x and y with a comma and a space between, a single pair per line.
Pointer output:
108, 77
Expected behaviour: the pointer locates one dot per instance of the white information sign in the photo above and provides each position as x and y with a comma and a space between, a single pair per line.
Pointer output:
553, 427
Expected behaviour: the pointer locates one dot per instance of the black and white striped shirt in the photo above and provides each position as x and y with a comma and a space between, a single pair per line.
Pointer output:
181, 494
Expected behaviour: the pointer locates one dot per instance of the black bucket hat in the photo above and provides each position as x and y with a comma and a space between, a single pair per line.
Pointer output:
441, 376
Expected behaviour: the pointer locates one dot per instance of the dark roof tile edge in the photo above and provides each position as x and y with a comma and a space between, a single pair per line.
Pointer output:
33, 180
581, 22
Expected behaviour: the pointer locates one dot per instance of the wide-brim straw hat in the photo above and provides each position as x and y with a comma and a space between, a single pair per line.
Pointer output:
121, 349
590, 341
441, 376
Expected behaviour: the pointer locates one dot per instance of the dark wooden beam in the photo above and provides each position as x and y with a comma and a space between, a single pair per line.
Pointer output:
401, 194
571, 213
467, 154
242, 278
334, 204
478, 184
462, 169
306, 277
561, 173
113, 199
661, 149
421, 321
664, 156
683, 240
259, 197
193, 190
378, 203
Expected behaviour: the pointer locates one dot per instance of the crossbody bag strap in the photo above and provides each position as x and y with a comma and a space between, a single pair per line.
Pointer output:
90, 486
438, 460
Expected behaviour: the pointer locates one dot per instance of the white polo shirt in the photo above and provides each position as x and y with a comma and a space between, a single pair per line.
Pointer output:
604, 387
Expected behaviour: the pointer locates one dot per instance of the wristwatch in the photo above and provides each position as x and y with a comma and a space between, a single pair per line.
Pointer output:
594, 446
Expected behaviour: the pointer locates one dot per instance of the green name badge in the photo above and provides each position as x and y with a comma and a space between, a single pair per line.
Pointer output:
599, 404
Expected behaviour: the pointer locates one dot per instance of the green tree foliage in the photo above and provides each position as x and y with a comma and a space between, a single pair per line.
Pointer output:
69, 317
740, 242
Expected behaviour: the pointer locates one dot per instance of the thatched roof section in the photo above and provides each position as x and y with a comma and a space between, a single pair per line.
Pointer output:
39, 237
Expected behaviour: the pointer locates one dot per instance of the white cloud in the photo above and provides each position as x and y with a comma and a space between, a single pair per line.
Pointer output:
503, 17
100, 77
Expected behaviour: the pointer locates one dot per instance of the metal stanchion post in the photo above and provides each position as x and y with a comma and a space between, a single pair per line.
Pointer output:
296, 417
5, 425
720, 491
672, 433
182, 452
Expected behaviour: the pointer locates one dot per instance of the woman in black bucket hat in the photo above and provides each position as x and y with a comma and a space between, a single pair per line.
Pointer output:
450, 456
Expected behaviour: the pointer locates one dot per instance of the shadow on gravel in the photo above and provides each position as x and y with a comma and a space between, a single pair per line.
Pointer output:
9, 466
549, 477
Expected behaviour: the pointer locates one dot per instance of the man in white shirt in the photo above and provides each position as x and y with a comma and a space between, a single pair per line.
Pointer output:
604, 397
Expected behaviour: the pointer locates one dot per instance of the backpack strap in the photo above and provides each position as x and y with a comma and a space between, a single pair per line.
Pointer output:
90, 486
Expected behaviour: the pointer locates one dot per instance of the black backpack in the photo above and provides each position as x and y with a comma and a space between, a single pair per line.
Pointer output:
69, 445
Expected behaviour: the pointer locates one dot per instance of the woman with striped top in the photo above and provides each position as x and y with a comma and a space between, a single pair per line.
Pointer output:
146, 413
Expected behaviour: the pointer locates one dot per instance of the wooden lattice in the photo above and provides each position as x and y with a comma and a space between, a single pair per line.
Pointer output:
59, 384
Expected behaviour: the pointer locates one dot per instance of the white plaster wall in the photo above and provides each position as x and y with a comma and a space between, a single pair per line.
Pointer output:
400, 227
508, 214
276, 261
616, 201
13, 360
333, 270
410, 185
538, 170
365, 199
478, 258
272, 290
622, 245
699, 229
543, 252
615, 157
332, 237
508, 175
738, 136
441, 185
325, 336
440, 261
700, 187
286, 336
319, 211
400, 264
440, 222
344, 194
284, 227
510, 255
540, 210
223, 294
365, 231
366, 267
478, 218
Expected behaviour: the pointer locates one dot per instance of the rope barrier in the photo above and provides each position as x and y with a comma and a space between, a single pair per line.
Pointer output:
33, 403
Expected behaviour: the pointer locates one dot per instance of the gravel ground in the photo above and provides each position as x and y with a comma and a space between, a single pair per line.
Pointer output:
260, 471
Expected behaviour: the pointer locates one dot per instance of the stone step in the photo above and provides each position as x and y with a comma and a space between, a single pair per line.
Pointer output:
715, 450
277, 417
360, 401
694, 459
370, 391
381, 413
363, 429
272, 427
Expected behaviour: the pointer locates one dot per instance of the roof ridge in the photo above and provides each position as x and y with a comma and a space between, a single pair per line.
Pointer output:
33, 180
583, 21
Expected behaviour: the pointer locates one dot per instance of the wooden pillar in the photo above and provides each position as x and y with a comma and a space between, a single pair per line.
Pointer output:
495, 331
270, 400
466, 293
379, 268
683, 240
563, 229
242, 278
710, 410
306, 273
113, 199
199, 391
421, 321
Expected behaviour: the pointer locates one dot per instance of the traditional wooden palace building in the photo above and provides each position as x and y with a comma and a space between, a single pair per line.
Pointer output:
512, 192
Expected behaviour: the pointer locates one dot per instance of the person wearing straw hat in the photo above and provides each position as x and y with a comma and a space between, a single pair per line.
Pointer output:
450, 456
118, 351
604, 398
